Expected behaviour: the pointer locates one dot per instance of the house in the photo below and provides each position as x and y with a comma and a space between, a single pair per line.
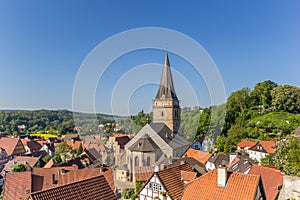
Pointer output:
92, 188
12, 146
161, 138
3, 158
31, 146
72, 137
117, 143
217, 159
100, 148
272, 180
28, 161
167, 183
21, 185
245, 145
203, 143
261, 149
201, 156
49, 148
220, 184
241, 163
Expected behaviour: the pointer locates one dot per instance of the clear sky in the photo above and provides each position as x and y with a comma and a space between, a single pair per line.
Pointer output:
43, 44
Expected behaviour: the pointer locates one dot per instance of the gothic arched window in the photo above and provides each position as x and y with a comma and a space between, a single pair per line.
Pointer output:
148, 161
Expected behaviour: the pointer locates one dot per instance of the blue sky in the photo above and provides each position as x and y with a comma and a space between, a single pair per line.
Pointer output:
43, 44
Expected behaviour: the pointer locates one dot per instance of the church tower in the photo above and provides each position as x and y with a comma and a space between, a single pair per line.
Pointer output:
166, 107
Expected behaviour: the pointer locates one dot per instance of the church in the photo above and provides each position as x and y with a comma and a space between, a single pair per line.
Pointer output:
159, 142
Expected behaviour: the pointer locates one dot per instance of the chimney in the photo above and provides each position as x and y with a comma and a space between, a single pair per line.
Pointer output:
222, 175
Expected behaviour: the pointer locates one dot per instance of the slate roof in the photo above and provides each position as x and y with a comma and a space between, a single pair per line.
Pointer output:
201, 156
144, 144
12, 146
240, 165
92, 188
122, 141
271, 179
166, 89
220, 159
195, 164
17, 186
238, 186
93, 154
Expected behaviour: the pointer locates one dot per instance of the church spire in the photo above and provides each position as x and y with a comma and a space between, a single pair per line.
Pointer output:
166, 89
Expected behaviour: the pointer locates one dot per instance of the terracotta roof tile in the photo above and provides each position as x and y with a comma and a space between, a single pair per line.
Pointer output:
45, 178
187, 175
239, 186
92, 188
171, 179
12, 146
30, 160
143, 172
17, 185
268, 146
244, 144
271, 178
201, 156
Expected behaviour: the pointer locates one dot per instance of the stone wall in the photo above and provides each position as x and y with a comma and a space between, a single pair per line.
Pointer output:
291, 188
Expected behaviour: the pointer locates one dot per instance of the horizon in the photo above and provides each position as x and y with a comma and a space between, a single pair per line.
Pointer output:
42, 52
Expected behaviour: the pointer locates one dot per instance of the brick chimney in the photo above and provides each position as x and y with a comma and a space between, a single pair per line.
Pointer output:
222, 175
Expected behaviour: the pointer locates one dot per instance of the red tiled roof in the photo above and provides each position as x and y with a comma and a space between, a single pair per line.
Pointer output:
12, 146
30, 160
271, 179
143, 172
244, 144
171, 179
187, 175
92, 188
17, 185
268, 146
198, 155
50, 164
239, 186
43, 177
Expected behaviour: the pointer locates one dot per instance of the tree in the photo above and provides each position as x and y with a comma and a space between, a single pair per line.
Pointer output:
63, 148
79, 151
19, 168
261, 94
286, 98
236, 107
287, 156
47, 158
57, 159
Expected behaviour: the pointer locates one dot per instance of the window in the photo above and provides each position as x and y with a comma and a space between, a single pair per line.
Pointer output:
162, 113
160, 188
149, 185
155, 187
148, 161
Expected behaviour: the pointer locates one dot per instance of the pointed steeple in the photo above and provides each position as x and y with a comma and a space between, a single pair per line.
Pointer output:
166, 89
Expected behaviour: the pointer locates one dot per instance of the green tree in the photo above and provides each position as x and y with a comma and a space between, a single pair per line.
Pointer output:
57, 159
79, 151
47, 158
261, 94
63, 148
287, 156
18, 168
286, 98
